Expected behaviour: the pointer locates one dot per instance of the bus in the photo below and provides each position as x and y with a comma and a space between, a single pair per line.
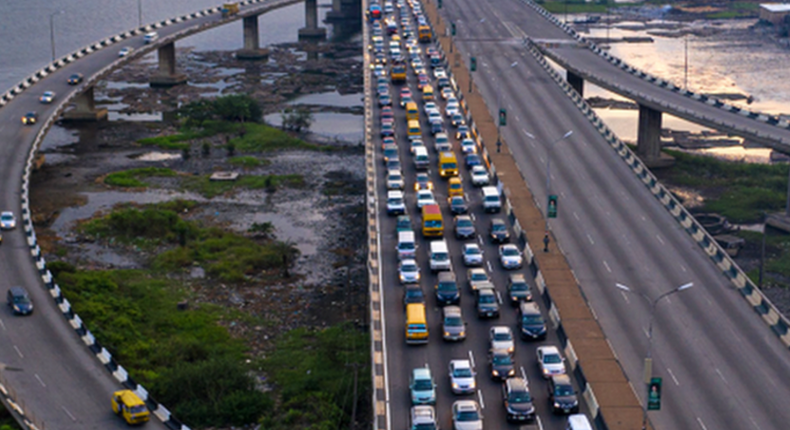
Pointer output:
424, 33
432, 223
398, 72
448, 164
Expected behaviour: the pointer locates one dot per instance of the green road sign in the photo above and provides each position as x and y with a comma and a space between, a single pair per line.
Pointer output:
440, 4
502, 117
654, 395
473, 64
552, 212
452, 28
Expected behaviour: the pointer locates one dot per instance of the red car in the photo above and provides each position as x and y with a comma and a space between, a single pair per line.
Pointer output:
405, 91
387, 141
422, 80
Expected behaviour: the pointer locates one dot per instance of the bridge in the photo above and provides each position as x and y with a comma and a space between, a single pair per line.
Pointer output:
55, 374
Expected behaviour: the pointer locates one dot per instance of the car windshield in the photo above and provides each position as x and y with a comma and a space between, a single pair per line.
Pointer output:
394, 200
552, 359
21, 300
137, 409
519, 286
519, 397
394, 178
532, 319
422, 385
473, 250
510, 252
563, 390
498, 227
425, 426
433, 224
468, 416
453, 321
409, 267
414, 293
486, 298
502, 359
502, 336
464, 223
6, 217
479, 276
462, 372
447, 286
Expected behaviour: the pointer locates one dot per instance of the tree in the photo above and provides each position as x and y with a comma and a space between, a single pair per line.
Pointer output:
238, 107
197, 112
297, 120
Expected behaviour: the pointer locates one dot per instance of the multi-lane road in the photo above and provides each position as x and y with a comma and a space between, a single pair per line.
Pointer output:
722, 366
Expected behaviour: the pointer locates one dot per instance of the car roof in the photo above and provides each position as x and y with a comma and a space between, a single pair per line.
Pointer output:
452, 311
445, 275
461, 363
550, 349
561, 379
18, 291
517, 277
501, 329
465, 405
529, 308
421, 372
517, 384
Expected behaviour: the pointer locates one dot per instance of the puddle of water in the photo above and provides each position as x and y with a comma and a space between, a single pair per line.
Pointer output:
343, 126
739, 153
122, 85
145, 117
218, 86
58, 137
332, 98
157, 156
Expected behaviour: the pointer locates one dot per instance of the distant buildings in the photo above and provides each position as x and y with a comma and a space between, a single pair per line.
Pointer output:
774, 13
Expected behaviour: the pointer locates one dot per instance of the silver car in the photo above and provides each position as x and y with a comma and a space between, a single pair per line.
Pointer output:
409, 272
453, 325
7, 221
464, 227
510, 256
467, 415
462, 377
473, 254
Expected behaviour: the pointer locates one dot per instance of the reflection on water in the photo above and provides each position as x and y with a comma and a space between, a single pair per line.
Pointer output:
738, 153
330, 99
343, 126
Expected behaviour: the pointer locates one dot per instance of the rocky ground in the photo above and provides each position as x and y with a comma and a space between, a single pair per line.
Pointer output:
324, 218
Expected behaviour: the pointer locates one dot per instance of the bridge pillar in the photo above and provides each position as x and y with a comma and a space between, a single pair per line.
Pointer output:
311, 29
576, 82
85, 108
252, 46
336, 14
167, 76
648, 141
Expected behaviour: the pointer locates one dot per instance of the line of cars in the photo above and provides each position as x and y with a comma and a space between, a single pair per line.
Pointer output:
466, 414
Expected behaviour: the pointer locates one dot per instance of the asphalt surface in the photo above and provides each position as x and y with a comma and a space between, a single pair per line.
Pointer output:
60, 384
402, 358
721, 365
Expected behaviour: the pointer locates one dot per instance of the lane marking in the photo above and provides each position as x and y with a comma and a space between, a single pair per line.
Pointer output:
482, 403
68, 413
643, 218
683, 268
540, 423
488, 263
498, 297
575, 215
472, 358
754, 423
658, 236
480, 239
473, 217
625, 297
701, 424
524, 374
40, 381
721, 376
605, 264
672, 375
2, 324
590, 239
18, 352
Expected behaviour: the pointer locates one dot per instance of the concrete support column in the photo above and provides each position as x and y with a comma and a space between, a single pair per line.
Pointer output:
311, 29
167, 75
336, 14
576, 82
85, 108
252, 47
648, 144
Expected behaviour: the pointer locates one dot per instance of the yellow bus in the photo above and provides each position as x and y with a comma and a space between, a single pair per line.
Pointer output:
424, 33
398, 72
448, 164
416, 324
412, 113
432, 222
413, 130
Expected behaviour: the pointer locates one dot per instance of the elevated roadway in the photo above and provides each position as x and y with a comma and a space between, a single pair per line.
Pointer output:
721, 365
61, 384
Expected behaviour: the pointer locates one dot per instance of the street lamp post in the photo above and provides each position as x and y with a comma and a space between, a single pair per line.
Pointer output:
499, 103
548, 167
139, 13
52, 31
648, 365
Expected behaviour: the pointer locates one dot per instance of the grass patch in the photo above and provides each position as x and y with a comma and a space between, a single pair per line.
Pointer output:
248, 161
313, 371
262, 138
185, 358
739, 191
208, 188
180, 140
132, 178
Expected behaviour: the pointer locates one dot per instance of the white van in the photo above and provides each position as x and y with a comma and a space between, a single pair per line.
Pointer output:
491, 200
407, 246
421, 160
440, 256
150, 37
578, 422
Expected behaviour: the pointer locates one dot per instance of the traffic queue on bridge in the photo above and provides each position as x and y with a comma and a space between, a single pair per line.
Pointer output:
394, 50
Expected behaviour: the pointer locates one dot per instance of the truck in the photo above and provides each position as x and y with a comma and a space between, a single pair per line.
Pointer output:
128, 405
229, 9
398, 72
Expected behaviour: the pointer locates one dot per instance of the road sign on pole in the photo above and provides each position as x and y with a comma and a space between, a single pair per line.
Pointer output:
452, 28
552, 212
502, 117
654, 395
440, 4
473, 64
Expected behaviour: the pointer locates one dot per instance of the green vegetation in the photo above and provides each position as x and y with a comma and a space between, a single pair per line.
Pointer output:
131, 178
739, 191
576, 6
261, 137
154, 225
736, 10
297, 119
208, 188
180, 141
7, 422
314, 372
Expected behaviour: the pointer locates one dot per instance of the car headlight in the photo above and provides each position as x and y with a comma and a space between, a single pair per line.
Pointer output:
455, 385
546, 371
495, 372
462, 334
557, 405
447, 334
511, 372
511, 349
16, 308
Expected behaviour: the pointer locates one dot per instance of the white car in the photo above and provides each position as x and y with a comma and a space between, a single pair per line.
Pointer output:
439, 73
467, 415
47, 97
394, 180
395, 203
501, 337
447, 92
409, 271
462, 377
473, 254
477, 276
7, 221
125, 51
150, 37
550, 361
425, 197
423, 417
480, 176
468, 146
378, 70
510, 256
415, 143
434, 116
451, 108
429, 107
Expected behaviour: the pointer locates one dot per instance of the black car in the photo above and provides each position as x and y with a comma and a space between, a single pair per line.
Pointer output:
436, 127
447, 292
19, 301
458, 205
498, 231
501, 363
531, 323
518, 289
562, 396
472, 160
487, 303
413, 294
75, 79
517, 400
30, 118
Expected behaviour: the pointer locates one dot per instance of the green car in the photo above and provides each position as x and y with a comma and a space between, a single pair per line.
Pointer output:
404, 223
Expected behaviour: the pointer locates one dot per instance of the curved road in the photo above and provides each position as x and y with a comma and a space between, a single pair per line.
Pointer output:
61, 384
722, 366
